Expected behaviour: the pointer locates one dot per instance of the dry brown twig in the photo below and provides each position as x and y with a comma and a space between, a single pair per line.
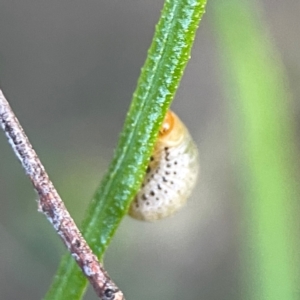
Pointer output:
50, 203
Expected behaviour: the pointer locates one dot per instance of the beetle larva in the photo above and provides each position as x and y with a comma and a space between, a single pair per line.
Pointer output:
171, 173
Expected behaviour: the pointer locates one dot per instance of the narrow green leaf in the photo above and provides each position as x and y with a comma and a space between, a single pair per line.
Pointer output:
157, 85
256, 86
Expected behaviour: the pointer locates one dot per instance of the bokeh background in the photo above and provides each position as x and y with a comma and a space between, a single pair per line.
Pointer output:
69, 69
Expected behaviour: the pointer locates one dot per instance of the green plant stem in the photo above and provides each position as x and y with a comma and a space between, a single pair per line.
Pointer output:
157, 85
256, 86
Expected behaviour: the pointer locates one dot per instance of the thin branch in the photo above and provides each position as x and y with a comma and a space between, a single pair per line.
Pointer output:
50, 203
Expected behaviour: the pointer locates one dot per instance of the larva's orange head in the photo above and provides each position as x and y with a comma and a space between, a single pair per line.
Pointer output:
172, 130
167, 124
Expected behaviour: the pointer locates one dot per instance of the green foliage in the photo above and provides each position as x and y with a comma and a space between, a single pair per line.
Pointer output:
263, 141
157, 85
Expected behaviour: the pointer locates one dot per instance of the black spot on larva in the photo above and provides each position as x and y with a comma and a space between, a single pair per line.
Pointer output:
167, 173
152, 193
157, 198
169, 166
175, 162
166, 148
147, 203
164, 179
152, 175
77, 243
175, 172
148, 169
151, 158
144, 197
159, 187
172, 182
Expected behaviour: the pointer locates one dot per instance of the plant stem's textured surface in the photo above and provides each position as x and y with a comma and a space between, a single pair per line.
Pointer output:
264, 144
51, 205
160, 77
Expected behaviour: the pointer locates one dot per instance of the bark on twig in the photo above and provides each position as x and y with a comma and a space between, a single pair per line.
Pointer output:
50, 203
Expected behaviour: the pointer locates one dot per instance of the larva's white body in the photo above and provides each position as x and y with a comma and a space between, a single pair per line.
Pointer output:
171, 174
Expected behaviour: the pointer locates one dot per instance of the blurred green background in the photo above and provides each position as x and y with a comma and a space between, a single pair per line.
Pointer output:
69, 69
